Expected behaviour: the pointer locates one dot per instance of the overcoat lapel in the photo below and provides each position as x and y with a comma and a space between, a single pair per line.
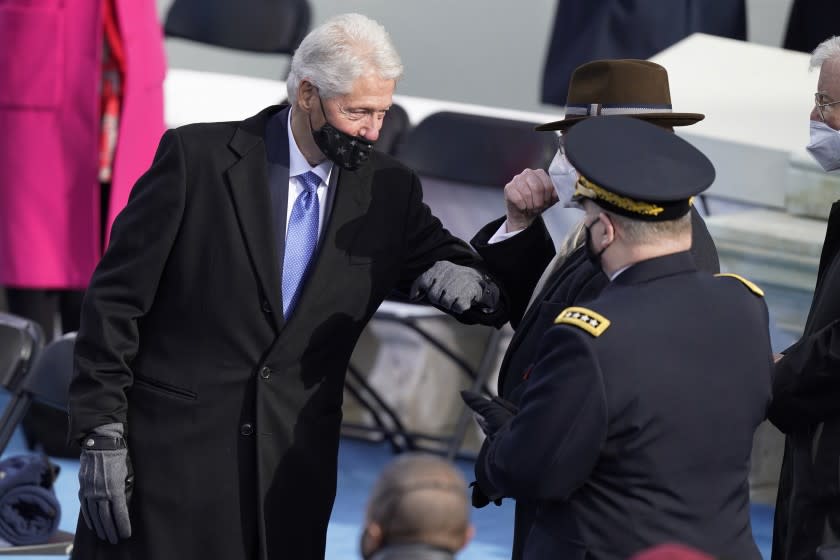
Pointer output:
524, 328
248, 182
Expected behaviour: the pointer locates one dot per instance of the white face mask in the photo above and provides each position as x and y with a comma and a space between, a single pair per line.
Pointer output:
825, 145
564, 177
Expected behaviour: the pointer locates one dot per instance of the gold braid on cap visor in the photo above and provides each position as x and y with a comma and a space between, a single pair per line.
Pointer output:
588, 189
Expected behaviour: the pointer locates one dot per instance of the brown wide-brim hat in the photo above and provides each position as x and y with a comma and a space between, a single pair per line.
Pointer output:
636, 88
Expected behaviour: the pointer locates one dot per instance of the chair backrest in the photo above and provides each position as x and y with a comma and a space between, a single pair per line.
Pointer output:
21, 341
475, 149
266, 26
465, 161
395, 128
49, 382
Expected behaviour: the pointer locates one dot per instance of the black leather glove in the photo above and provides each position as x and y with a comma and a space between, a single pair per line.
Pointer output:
479, 498
456, 288
491, 414
105, 482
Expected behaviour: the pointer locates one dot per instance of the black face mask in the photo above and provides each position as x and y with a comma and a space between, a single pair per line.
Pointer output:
594, 258
349, 152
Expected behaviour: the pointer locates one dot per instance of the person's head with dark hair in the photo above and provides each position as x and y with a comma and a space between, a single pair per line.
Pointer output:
418, 509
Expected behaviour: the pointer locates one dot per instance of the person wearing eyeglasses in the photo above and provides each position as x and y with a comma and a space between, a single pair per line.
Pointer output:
806, 387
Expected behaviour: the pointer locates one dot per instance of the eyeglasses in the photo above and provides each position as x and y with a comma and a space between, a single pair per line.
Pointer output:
821, 101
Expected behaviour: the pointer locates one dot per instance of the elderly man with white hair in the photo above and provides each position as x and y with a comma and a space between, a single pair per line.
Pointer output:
807, 375
217, 328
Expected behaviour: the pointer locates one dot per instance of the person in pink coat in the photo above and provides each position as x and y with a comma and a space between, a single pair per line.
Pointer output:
81, 110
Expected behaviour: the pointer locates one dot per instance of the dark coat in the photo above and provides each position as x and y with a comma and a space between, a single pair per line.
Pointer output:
518, 263
806, 392
811, 22
584, 31
642, 434
232, 413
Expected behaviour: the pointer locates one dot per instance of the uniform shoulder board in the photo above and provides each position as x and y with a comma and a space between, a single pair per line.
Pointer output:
583, 318
753, 288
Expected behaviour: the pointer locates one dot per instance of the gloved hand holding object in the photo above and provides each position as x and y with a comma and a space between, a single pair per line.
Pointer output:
105, 482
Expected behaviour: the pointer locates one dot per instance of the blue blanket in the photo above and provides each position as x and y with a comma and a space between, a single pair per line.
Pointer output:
29, 509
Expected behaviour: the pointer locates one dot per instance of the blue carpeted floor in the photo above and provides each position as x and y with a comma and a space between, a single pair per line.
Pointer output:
360, 463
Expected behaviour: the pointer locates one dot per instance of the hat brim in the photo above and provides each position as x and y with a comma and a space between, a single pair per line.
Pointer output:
660, 119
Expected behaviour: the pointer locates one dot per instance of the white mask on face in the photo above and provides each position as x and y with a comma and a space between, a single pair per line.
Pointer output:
825, 145
563, 177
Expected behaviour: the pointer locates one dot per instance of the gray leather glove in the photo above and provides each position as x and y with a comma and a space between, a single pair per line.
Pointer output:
105, 481
455, 287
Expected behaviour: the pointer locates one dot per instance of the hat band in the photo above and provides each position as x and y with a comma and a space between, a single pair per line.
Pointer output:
595, 109
588, 189
637, 209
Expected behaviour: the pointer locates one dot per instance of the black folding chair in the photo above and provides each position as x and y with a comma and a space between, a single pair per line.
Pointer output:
21, 342
464, 161
395, 130
30, 372
259, 26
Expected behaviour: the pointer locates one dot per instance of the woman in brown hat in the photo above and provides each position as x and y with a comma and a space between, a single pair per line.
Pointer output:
519, 250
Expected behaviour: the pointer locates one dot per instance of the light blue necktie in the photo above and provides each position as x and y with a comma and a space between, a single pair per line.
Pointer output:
301, 240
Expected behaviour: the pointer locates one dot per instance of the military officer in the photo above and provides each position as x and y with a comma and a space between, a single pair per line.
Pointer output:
636, 423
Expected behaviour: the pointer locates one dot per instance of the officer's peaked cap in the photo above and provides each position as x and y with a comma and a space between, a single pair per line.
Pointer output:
635, 168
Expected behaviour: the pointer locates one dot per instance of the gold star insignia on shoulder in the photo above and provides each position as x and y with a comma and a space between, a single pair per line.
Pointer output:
752, 287
583, 318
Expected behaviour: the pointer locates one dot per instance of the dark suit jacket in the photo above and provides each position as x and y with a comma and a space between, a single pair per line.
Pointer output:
232, 411
806, 392
642, 434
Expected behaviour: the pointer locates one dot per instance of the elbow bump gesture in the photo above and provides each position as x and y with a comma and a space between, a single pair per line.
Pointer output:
527, 196
456, 288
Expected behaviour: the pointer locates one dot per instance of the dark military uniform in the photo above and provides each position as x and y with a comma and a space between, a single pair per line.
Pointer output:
517, 262
626, 85
636, 423
638, 430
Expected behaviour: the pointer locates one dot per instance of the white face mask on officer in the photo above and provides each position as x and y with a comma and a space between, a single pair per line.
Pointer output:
563, 176
825, 146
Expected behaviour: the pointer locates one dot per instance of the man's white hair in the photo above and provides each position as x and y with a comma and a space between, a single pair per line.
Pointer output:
333, 55
827, 50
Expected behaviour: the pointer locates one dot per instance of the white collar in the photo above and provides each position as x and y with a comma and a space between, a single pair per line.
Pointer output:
615, 274
297, 162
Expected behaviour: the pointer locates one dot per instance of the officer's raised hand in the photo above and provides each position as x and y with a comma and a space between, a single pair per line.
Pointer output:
456, 288
105, 481
527, 196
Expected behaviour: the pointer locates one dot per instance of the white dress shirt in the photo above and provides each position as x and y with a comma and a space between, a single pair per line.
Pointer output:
298, 166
